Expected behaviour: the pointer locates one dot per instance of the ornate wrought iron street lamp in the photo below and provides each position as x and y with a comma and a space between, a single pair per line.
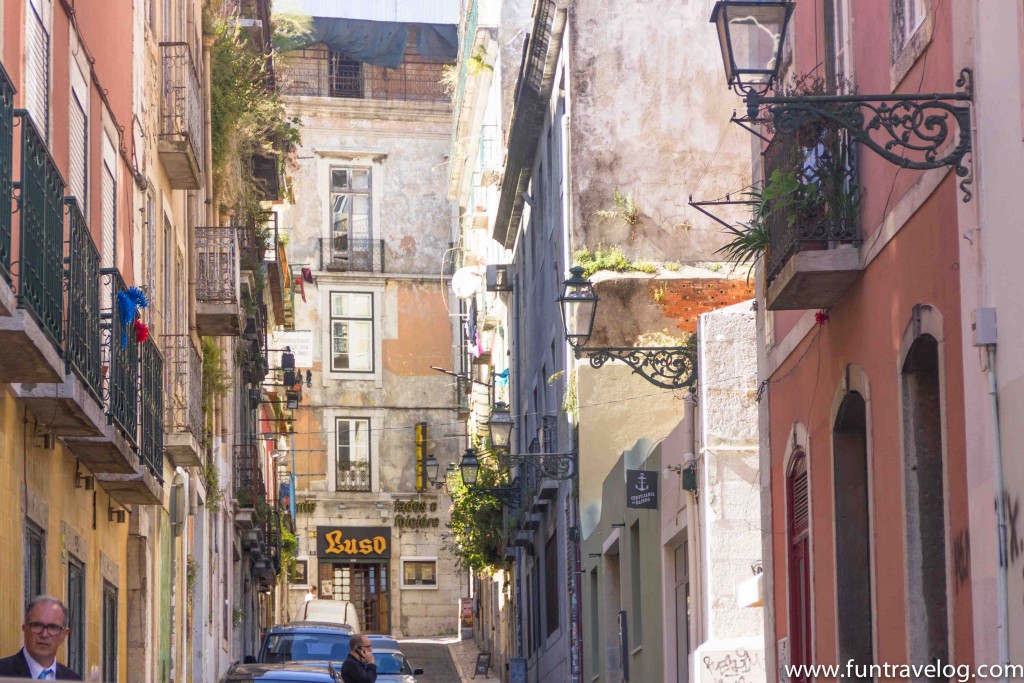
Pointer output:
911, 130
508, 496
500, 425
668, 367
431, 466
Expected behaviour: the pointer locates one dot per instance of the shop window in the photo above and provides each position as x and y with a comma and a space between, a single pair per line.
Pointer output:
419, 572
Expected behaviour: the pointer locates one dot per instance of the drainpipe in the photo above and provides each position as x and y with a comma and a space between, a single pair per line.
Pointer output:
1002, 594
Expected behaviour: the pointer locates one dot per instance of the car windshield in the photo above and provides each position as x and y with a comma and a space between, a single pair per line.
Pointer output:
391, 663
296, 647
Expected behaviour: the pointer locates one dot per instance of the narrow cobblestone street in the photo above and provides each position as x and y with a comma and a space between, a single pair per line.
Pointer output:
433, 656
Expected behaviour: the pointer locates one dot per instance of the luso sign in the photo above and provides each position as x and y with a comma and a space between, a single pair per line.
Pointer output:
356, 542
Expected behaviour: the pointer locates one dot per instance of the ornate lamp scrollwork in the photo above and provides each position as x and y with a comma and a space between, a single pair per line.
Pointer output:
665, 367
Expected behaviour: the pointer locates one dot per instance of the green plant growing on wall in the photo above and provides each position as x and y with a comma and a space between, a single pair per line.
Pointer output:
658, 294
246, 114
214, 493
625, 208
611, 259
570, 403
476, 520
236, 617
477, 62
450, 80
216, 380
672, 266
289, 549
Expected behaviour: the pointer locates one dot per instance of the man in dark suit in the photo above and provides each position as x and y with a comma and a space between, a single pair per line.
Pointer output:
359, 666
45, 629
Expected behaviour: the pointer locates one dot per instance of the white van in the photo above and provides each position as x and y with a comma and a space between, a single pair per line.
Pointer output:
332, 612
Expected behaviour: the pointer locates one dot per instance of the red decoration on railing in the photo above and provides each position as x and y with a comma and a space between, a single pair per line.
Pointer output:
141, 331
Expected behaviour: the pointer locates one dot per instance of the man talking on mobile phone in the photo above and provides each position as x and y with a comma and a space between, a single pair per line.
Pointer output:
359, 666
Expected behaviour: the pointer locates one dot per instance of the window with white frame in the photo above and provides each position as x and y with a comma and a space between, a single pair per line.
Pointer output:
838, 45
419, 572
38, 18
352, 454
351, 208
352, 332
907, 16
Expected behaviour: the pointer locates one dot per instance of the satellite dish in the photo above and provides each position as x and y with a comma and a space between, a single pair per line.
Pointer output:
466, 281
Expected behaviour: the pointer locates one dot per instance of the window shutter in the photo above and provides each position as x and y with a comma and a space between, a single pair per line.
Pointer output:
78, 141
37, 70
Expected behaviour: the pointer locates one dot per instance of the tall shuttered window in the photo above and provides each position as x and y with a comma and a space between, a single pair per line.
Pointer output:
76, 613
38, 14
109, 632
78, 146
551, 585
35, 561
798, 532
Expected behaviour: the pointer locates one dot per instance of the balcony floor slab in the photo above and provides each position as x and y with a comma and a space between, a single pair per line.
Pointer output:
67, 409
106, 454
218, 319
183, 448
180, 163
813, 279
28, 355
139, 487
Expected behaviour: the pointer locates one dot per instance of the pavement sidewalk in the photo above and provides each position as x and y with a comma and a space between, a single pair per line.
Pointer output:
464, 654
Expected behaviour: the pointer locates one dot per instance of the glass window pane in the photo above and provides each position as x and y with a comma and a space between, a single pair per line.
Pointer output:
339, 179
360, 178
360, 345
338, 305
360, 442
359, 305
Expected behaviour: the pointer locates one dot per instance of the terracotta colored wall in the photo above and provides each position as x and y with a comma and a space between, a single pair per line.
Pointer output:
865, 329
424, 335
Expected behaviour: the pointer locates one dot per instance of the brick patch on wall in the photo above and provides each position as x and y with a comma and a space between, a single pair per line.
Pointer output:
685, 300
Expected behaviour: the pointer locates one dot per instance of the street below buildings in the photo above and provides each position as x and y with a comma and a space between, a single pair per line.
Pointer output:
433, 656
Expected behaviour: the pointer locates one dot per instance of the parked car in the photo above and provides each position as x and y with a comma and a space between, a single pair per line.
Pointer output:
392, 666
332, 611
305, 672
304, 640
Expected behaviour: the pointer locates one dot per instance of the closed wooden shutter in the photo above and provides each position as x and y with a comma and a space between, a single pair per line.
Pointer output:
78, 135
37, 66
798, 540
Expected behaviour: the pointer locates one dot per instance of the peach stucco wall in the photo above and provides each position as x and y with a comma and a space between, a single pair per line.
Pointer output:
865, 329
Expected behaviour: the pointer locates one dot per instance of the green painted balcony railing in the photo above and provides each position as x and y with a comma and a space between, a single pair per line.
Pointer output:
83, 352
151, 436
122, 382
6, 161
40, 192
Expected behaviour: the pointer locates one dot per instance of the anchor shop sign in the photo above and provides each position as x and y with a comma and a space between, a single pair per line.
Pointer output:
641, 489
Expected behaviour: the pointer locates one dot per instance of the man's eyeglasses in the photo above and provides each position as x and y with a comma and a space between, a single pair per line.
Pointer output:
52, 629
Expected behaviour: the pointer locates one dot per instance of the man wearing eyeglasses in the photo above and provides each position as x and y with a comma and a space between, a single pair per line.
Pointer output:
359, 666
45, 629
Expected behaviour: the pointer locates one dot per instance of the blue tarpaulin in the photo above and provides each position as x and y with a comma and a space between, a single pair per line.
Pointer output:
379, 43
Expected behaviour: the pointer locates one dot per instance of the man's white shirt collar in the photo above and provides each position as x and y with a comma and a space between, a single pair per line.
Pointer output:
35, 667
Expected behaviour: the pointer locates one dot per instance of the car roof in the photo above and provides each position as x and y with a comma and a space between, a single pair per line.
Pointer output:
314, 672
311, 627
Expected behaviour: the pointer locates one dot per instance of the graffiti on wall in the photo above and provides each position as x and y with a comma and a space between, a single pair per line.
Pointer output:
961, 559
733, 666
1012, 549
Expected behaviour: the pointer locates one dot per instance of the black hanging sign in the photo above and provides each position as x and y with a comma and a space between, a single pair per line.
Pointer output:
641, 489
355, 542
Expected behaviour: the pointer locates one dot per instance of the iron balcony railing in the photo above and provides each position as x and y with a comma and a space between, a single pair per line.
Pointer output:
217, 267
811, 176
353, 476
319, 72
6, 168
40, 192
249, 486
184, 403
151, 436
121, 357
182, 112
83, 353
351, 254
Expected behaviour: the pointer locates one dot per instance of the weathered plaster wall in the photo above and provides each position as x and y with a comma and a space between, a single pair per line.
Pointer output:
990, 275
730, 500
651, 117
618, 407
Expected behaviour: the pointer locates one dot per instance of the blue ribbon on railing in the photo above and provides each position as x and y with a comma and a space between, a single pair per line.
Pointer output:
128, 304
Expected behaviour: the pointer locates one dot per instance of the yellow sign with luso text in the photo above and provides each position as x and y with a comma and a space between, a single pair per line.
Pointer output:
353, 542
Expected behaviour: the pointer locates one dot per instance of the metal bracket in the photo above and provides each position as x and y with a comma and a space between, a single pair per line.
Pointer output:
668, 367
559, 466
917, 124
